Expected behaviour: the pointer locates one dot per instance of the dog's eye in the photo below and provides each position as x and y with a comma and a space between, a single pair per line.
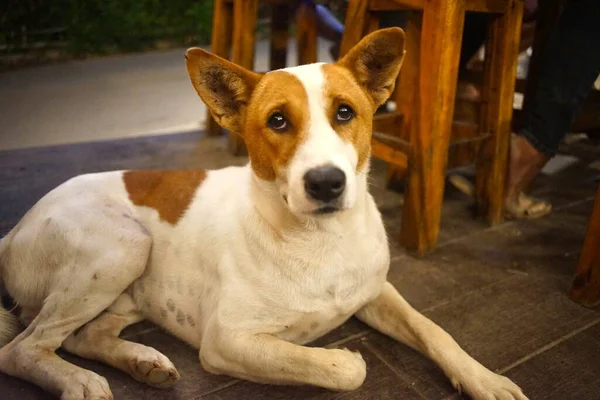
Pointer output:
277, 122
344, 113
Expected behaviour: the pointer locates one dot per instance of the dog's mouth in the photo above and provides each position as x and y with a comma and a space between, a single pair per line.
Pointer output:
323, 210
326, 210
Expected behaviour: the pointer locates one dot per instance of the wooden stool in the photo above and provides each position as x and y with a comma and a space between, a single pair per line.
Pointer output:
425, 96
233, 38
586, 285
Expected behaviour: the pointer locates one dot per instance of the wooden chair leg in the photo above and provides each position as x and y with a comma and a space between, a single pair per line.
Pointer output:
355, 24
244, 28
306, 33
220, 45
280, 18
502, 50
586, 285
432, 123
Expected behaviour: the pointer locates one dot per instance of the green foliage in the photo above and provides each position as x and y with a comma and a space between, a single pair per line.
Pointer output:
96, 26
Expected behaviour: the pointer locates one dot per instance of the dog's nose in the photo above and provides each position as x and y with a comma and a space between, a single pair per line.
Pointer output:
325, 183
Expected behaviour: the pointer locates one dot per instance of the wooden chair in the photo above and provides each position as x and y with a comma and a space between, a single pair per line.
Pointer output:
586, 285
425, 97
233, 38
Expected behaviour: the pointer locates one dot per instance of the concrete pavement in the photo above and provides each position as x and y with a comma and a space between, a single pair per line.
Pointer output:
105, 98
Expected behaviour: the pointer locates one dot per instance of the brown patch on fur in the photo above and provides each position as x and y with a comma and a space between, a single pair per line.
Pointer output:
168, 192
363, 79
271, 151
243, 101
342, 88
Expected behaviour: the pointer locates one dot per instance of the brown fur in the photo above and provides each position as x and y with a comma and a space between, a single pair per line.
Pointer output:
341, 88
227, 89
366, 74
224, 87
168, 192
271, 151
376, 61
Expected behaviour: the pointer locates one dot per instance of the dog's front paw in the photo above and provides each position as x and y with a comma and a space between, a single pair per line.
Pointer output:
349, 369
87, 385
154, 369
483, 384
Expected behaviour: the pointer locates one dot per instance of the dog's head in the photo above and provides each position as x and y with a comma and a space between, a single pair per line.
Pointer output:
307, 128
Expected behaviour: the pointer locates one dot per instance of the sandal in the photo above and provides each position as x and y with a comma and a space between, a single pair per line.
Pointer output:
525, 208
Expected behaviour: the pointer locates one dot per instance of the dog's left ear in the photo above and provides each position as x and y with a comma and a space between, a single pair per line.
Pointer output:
375, 62
224, 86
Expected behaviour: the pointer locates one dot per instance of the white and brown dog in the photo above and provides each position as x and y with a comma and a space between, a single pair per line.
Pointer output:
246, 264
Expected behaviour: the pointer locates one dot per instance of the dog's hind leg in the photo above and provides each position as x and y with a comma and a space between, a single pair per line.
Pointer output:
94, 272
99, 340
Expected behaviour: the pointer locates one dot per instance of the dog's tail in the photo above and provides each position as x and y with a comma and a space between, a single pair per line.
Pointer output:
9, 325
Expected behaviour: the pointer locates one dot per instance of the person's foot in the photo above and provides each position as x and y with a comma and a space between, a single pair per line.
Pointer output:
525, 163
468, 91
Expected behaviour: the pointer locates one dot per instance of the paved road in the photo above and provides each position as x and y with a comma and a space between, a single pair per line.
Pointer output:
104, 98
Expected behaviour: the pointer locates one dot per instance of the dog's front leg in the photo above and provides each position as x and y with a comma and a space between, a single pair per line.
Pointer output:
263, 358
390, 314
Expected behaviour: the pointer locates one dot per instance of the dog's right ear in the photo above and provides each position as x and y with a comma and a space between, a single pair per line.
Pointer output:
224, 87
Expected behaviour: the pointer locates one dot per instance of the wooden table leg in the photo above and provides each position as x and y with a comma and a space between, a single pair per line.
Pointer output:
586, 285
280, 19
502, 51
220, 45
441, 35
306, 33
244, 29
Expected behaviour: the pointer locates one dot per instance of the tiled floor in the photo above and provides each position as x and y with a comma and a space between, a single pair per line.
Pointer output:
499, 291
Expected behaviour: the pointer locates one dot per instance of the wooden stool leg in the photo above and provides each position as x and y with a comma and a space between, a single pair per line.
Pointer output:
244, 28
355, 25
306, 33
586, 285
432, 123
502, 50
406, 91
280, 18
220, 45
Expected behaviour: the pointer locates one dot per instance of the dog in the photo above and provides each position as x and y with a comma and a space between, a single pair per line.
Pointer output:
246, 264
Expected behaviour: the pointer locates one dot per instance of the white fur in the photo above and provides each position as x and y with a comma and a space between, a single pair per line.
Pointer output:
239, 276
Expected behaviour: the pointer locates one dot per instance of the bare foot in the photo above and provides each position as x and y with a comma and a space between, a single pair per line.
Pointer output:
525, 164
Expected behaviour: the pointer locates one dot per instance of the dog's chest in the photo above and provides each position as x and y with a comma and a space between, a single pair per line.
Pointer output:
322, 298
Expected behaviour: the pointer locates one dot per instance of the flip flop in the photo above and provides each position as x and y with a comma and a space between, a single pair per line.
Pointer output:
533, 208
